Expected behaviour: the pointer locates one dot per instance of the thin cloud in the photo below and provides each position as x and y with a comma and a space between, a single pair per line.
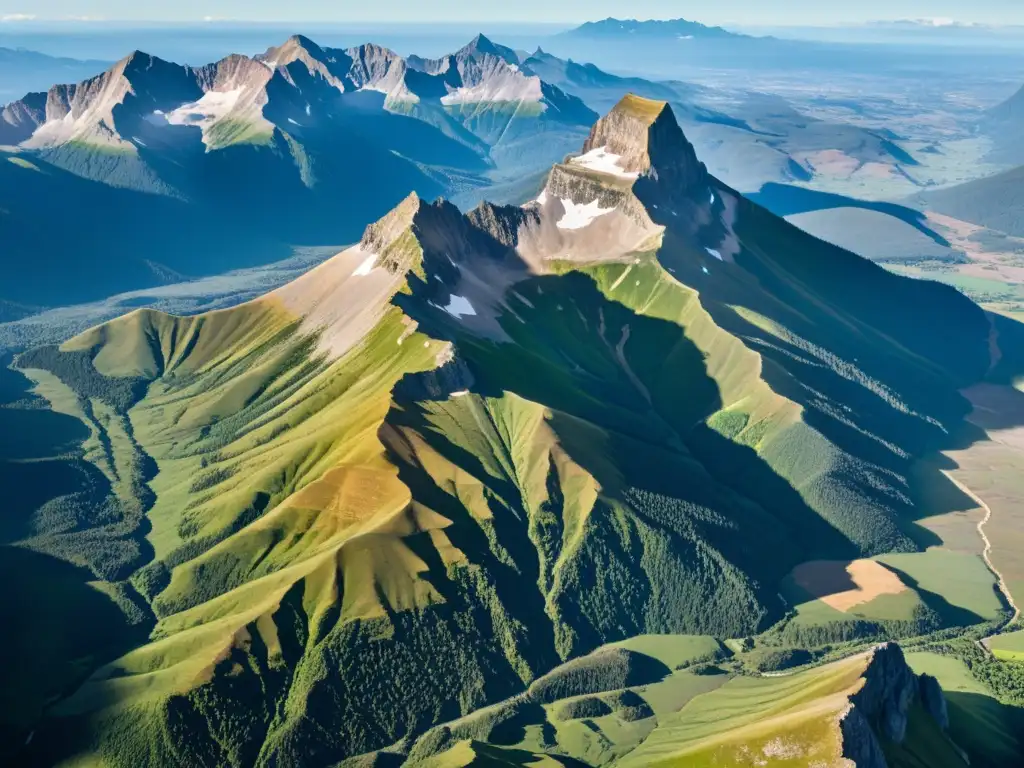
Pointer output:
17, 17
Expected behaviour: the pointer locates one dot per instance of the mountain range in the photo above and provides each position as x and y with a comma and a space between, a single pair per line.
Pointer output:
305, 144
679, 29
636, 473
227, 165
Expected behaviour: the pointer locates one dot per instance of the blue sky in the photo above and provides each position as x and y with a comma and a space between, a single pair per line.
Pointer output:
746, 12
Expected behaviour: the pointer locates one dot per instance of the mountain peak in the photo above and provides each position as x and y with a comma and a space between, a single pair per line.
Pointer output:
383, 233
295, 47
302, 41
644, 135
136, 61
625, 131
136, 55
481, 45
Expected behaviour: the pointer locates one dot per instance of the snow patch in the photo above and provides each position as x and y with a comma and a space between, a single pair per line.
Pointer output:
511, 85
459, 307
366, 267
579, 216
542, 198
211, 107
603, 161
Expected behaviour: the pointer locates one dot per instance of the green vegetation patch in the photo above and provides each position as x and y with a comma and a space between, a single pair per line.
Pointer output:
989, 731
23, 163
959, 586
225, 133
1009, 646
676, 651
608, 669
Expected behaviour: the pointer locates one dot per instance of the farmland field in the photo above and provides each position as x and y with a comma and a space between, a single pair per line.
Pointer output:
1009, 647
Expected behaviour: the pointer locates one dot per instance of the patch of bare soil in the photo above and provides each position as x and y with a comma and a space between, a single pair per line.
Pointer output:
842, 585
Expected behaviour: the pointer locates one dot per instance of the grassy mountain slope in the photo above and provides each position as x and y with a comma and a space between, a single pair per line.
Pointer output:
995, 202
401, 507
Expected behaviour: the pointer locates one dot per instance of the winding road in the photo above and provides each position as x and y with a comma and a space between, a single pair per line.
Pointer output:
986, 554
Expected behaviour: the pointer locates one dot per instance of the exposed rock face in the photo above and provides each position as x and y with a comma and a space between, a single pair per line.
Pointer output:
452, 378
933, 700
332, 65
649, 142
232, 72
566, 182
890, 687
880, 709
860, 745
19, 120
376, 67
384, 237
502, 222
673, 159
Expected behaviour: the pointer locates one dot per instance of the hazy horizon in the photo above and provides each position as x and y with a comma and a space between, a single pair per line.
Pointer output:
745, 13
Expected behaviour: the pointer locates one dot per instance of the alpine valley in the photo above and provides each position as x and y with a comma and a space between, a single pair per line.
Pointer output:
637, 473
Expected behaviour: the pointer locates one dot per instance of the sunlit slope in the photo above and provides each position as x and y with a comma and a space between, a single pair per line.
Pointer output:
858, 709
477, 447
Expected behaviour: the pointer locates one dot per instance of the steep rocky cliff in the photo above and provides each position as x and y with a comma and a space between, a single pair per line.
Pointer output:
880, 711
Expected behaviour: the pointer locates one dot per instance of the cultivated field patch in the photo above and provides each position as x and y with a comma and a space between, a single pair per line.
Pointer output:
1009, 647
844, 585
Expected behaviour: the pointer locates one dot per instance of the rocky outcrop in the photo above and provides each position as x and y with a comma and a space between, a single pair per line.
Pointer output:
502, 222
890, 687
860, 745
880, 710
645, 136
933, 700
451, 378
19, 120
375, 67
